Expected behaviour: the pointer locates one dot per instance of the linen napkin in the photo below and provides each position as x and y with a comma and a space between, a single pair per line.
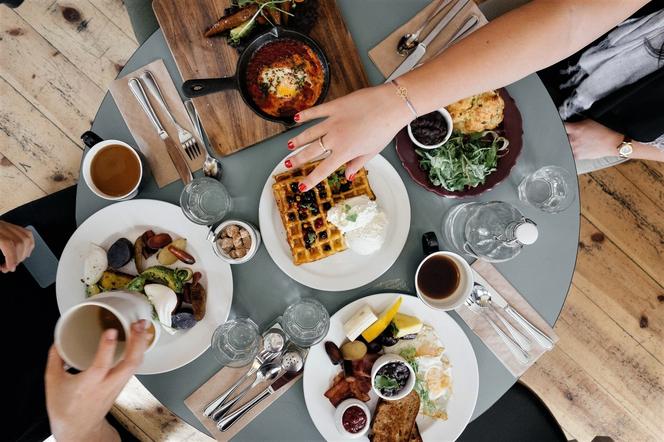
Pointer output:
487, 275
384, 55
144, 133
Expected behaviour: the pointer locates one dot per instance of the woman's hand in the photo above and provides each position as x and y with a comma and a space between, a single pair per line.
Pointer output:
77, 404
591, 140
16, 243
356, 127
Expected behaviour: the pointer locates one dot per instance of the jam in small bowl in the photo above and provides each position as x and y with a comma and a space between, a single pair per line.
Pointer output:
432, 130
352, 418
392, 378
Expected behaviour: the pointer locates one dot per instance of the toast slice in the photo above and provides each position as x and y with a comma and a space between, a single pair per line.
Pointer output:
394, 420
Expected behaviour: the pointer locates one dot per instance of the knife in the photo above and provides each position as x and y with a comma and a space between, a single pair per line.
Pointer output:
420, 50
176, 154
536, 333
225, 423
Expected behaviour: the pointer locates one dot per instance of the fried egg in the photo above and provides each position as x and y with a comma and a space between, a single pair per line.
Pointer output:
433, 367
283, 81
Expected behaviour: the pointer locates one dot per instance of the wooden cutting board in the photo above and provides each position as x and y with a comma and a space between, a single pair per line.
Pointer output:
230, 124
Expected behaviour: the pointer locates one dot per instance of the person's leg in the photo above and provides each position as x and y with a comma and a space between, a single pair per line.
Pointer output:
142, 18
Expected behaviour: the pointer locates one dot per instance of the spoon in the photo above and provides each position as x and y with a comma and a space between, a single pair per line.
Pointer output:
273, 345
267, 372
292, 362
484, 299
211, 166
519, 353
408, 42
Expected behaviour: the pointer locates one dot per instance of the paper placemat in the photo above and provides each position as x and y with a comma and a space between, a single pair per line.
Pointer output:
385, 56
144, 133
487, 275
221, 381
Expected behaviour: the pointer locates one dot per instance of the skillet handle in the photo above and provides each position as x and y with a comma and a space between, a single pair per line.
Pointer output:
203, 86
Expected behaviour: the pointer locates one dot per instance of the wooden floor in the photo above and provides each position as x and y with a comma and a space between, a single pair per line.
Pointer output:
606, 375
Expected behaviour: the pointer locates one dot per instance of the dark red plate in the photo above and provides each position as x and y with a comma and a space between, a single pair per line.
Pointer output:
511, 128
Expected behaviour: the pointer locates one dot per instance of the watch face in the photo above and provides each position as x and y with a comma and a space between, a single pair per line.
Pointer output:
625, 150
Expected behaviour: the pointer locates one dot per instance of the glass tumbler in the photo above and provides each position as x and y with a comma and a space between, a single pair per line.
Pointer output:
550, 189
205, 201
306, 322
236, 342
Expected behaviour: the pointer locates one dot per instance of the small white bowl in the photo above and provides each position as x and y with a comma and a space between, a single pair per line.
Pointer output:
253, 233
384, 360
86, 170
339, 413
448, 119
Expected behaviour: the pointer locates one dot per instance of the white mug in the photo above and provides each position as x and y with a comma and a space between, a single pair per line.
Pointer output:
79, 329
87, 165
462, 291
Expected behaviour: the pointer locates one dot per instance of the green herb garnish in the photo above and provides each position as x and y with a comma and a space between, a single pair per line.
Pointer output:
352, 217
385, 383
430, 406
464, 161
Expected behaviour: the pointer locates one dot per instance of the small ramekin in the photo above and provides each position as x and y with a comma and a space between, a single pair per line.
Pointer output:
339, 413
254, 234
384, 360
448, 119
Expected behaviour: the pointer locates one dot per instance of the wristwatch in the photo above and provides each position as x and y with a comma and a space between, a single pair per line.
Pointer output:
625, 148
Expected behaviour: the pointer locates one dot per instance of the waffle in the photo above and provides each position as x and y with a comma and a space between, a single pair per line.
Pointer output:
304, 215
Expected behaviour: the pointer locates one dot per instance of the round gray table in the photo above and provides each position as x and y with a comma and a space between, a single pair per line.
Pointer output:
542, 272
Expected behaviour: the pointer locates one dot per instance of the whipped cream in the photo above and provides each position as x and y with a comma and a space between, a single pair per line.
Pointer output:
362, 223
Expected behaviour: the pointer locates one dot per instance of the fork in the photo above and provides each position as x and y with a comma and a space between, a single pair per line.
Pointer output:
187, 140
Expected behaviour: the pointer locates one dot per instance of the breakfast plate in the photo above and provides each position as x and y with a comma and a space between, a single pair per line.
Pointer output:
345, 270
129, 219
319, 372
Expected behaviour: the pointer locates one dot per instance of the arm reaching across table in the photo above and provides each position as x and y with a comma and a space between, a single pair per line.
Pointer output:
536, 35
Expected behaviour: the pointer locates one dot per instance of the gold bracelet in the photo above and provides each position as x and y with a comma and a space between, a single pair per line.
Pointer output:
403, 93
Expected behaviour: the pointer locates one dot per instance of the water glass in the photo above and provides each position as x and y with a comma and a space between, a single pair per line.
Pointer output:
205, 201
306, 322
236, 342
550, 189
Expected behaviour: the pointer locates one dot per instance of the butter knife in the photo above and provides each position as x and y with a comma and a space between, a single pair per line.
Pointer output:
420, 50
539, 336
226, 422
176, 154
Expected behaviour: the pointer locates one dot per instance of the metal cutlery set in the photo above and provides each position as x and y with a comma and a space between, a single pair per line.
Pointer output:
188, 144
276, 360
410, 46
491, 308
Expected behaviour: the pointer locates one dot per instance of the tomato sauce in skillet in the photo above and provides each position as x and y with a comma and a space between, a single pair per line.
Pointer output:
284, 77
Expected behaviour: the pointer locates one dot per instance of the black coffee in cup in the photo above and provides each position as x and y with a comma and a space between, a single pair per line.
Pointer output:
438, 277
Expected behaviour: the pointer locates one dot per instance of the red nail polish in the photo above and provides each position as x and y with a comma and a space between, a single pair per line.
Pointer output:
288, 164
291, 145
297, 117
352, 177
302, 187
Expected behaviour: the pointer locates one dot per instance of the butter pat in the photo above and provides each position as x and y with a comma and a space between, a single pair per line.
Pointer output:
406, 325
359, 322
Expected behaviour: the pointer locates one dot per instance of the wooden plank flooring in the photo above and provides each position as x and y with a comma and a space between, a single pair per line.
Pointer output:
605, 376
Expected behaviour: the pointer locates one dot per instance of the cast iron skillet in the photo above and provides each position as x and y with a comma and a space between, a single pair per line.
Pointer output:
198, 87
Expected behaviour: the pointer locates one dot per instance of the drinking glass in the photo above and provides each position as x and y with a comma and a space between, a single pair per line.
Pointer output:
306, 322
550, 189
236, 342
205, 201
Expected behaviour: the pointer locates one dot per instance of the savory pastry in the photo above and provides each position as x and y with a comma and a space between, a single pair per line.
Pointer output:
477, 113
394, 421
284, 77
232, 20
304, 214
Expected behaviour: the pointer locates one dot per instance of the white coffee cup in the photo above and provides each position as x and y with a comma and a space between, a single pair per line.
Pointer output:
462, 291
79, 329
86, 170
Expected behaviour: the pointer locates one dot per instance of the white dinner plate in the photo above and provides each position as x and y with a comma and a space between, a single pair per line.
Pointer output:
345, 270
130, 219
319, 371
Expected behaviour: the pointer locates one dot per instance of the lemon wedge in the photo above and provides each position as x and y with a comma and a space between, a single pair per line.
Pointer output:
382, 322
